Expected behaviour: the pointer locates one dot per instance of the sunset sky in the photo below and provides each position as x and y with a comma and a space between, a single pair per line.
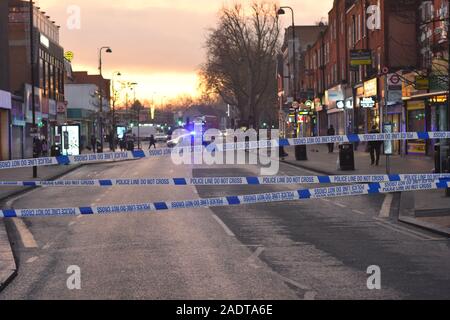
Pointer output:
157, 43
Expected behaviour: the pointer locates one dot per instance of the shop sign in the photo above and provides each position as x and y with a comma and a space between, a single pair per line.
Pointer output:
309, 104
340, 104
422, 83
370, 88
61, 107
367, 102
5, 100
349, 104
394, 93
360, 57
52, 107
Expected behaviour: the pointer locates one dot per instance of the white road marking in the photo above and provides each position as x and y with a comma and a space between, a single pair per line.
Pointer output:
292, 282
224, 226
358, 212
256, 254
25, 235
402, 230
71, 223
325, 200
340, 205
386, 207
32, 259
47, 246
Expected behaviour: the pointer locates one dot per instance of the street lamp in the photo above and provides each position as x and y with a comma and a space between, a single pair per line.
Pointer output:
280, 12
300, 151
117, 73
108, 50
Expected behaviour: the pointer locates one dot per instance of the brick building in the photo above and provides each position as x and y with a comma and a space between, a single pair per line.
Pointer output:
48, 66
359, 65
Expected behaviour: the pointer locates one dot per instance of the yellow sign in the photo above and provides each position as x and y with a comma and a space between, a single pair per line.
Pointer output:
370, 88
422, 83
69, 56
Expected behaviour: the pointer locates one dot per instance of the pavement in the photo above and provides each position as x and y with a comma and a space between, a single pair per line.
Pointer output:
431, 209
8, 267
315, 249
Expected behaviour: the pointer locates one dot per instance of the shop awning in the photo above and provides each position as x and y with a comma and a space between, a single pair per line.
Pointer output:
426, 95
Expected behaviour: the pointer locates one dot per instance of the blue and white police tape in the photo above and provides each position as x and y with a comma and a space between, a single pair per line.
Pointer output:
120, 156
302, 194
222, 181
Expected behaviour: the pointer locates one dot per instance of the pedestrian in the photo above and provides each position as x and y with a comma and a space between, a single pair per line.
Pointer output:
37, 147
123, 144
44, 147
152, 142
375, 148
93, 143
331, 132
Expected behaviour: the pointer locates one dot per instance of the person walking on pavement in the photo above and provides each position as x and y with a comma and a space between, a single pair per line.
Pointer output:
93, 143
331, 132
37, 147
44, 147
152, 142
375, 148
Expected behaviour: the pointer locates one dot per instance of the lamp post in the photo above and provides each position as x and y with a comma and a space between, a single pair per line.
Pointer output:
108, 50
281, 11
33, 102
300, 151
117, 73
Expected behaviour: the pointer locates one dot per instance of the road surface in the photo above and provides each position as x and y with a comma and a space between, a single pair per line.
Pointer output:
316, 249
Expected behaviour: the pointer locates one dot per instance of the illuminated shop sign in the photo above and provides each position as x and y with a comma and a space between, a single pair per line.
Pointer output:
370, 88
367, 102
44, 41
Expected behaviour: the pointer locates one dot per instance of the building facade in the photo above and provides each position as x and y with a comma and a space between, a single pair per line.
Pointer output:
381, 62
5, 95
48, 67
82, 95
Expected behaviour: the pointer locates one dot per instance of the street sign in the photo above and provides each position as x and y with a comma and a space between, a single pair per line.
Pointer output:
69, 56
360, 57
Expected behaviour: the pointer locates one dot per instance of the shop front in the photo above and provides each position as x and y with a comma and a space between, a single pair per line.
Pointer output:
415, 122
336, 116
18, 128
370, 105
5, 108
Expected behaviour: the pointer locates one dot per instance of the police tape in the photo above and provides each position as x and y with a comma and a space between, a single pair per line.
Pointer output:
272, 197
222, 181
233, 146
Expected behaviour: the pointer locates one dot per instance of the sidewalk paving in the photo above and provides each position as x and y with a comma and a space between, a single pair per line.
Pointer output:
8, 267
429, 208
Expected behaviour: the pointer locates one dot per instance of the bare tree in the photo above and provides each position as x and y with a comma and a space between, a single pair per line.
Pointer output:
240, 64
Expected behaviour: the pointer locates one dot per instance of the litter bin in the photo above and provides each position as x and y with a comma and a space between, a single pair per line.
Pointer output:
55, 151
442, 161
346, 157
300, 153
447, 170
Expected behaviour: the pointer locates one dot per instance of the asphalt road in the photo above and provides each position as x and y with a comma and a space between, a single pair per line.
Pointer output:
313, 249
